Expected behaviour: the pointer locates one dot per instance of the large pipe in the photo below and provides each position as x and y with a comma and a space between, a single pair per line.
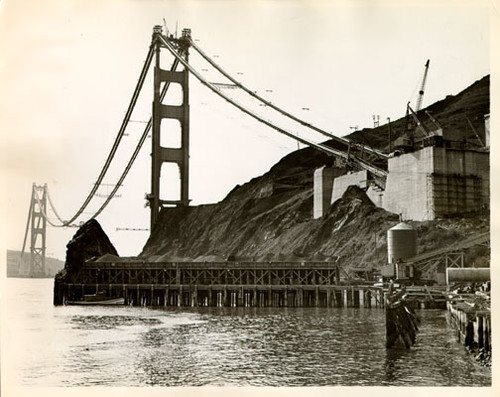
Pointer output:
478, 274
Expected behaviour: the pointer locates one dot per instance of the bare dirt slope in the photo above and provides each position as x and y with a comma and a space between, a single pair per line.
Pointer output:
270, 217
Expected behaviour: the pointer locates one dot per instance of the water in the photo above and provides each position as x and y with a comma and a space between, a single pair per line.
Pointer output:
43, 345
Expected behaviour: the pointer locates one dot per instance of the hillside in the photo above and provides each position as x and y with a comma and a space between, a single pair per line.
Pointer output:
455, 113
270, 217
52, 265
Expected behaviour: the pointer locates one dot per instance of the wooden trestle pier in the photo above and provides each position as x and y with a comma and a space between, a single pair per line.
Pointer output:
232, 284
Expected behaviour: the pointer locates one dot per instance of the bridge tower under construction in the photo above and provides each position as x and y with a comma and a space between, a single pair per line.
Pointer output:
38, 208
161, 154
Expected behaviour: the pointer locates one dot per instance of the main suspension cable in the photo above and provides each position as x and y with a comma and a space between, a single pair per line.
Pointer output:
42, 211
178, 59
118, 137
138, 147
271, 105
26, 233
52, 205
126, 170
318, 146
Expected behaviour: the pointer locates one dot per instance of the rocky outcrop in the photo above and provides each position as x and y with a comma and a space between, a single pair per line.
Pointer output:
90, 241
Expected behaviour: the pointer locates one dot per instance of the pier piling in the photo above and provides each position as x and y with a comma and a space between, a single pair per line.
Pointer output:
221, 284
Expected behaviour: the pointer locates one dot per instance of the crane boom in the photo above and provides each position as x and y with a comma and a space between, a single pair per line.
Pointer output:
422, 86
418, 124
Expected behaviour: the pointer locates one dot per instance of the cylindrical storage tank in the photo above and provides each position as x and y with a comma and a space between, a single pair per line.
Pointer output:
401, 242
468, 274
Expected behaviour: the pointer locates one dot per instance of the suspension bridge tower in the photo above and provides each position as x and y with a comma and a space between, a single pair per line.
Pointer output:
161, 154
38, 209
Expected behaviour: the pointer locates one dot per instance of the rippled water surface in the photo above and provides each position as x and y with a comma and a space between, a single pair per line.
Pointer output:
120, 346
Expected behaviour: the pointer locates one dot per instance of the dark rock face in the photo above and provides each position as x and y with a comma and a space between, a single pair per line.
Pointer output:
88, 242
275, 227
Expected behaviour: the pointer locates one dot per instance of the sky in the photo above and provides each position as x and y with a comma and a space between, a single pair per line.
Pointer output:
68, 70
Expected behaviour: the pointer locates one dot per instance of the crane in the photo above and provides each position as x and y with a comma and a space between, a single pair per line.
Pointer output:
418, 124
411, 118
422, 86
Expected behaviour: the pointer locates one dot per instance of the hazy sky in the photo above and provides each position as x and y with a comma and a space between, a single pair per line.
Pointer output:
68, 70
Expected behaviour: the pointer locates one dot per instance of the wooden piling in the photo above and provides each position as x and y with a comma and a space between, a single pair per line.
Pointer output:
401, 321
355, 295
226, 284
472, 326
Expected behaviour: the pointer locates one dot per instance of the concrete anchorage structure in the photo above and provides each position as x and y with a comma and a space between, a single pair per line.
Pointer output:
435, 181
323, 184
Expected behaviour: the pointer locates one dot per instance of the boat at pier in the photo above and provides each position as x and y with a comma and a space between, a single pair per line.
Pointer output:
98, 298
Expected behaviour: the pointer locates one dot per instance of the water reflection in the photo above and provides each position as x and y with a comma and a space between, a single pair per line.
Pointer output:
303, 347
392, 368
77, 346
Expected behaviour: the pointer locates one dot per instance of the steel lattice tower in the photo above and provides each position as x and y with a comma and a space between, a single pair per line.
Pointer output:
38, 230
160, 154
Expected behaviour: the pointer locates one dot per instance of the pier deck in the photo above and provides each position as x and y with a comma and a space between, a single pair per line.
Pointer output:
235, 284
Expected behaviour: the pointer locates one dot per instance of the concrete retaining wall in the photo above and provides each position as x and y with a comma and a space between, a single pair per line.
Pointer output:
341, 183
376, 195
323, 183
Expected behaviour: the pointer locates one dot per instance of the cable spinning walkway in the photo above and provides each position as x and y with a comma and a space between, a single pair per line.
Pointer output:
326, 149
278, 109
